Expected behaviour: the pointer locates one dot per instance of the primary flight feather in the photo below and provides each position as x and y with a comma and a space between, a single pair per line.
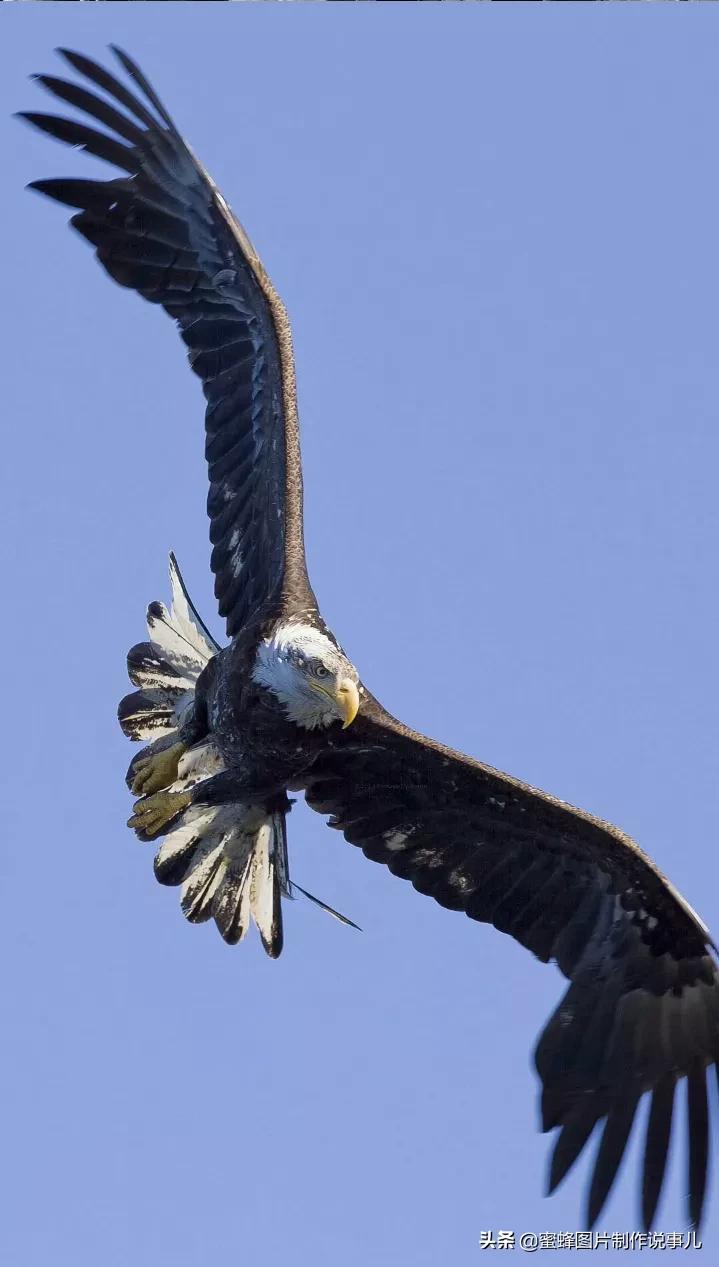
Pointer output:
281, 708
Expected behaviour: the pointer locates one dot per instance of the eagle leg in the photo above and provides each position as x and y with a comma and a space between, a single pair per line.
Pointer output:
153, 813
157, 771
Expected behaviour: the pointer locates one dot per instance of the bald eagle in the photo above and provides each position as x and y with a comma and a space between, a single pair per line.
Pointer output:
233, 729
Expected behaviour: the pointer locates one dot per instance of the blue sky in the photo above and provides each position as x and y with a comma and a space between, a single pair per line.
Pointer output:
495, 229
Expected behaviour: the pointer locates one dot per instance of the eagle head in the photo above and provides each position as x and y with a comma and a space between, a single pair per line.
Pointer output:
310, 676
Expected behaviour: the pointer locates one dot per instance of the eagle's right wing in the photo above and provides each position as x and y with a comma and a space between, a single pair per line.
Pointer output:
164, 230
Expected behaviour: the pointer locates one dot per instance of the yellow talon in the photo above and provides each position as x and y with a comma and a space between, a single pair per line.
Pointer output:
157, 771
153, 813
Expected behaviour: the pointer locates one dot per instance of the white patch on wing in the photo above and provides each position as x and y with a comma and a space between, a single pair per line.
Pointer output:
460, 880
395, 839
429, 857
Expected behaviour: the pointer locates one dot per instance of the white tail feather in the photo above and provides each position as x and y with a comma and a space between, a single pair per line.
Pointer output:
167, 668
186, 620
226, 859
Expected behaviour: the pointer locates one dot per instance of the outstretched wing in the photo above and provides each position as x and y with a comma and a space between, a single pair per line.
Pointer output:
163, 229
642, 1008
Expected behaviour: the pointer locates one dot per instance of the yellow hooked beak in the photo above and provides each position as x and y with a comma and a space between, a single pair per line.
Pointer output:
348, 700
347, 697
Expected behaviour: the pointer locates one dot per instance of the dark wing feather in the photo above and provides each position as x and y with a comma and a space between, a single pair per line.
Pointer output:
164, 230
642, 1007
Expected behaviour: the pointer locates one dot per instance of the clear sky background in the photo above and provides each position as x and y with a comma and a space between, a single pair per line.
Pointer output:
495, 228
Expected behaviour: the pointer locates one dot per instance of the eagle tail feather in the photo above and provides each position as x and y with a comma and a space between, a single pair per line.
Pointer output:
166, 667
230, 860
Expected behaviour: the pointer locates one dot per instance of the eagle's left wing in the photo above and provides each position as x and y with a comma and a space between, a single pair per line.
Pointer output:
642, 1008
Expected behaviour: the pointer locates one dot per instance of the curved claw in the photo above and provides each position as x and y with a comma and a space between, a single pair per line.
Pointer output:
153, 813
157, 771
